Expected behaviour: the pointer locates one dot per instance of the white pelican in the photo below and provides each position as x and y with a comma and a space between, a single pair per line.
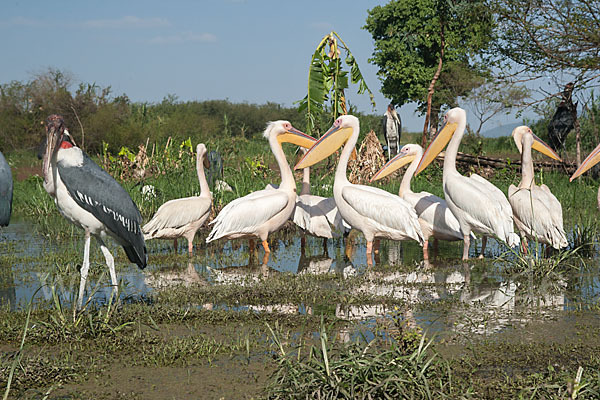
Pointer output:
591, 160
537, 213
435, 217
90, 198
316, 215
265, 211
374, 212
183, 217
478, 205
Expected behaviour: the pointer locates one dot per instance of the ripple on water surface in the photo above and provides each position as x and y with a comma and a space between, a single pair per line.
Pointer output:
447, 295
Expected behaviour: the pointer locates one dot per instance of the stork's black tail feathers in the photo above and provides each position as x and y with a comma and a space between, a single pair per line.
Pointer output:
135, 257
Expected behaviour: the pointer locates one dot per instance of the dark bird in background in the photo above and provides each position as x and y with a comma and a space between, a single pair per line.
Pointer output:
563, 120
392, 130
215, 170
6, 191
90, 198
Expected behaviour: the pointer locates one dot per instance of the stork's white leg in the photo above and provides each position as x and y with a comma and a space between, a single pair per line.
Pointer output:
425, 250
467, 242
84, 269
110, 263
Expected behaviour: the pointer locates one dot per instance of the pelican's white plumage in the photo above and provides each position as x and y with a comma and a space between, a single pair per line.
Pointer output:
537, 213
183, 217
265, 211
374, 212
435, 217
478, 205
317, 215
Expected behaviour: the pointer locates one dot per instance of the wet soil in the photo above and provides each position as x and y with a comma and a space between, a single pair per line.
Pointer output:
495, 328
223, 378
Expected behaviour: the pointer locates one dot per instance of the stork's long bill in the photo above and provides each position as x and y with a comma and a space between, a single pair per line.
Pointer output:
54, 131
592, 159
395, 163
437, 145
332, 140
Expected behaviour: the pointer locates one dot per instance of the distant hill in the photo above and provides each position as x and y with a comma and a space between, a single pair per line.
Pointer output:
503, 130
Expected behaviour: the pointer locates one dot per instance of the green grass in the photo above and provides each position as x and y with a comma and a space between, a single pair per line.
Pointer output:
359, 370
171, 329
249, 166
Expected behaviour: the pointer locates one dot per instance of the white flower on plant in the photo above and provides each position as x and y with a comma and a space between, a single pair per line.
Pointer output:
222, 186
148, 192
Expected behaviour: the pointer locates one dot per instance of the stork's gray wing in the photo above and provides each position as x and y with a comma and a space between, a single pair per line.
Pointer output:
97, 192
6, 191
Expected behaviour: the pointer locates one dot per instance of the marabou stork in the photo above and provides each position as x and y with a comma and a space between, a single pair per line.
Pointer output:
90, 198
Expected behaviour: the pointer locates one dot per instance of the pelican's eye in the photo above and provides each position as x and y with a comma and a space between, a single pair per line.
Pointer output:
287, 126
338, 122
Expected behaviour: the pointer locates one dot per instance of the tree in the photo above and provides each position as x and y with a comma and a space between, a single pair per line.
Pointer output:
416, 41
550, 36
493, 98
327, 80
556, 38
456, 80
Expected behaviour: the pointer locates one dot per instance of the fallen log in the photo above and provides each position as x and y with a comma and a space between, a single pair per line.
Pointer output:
484, 161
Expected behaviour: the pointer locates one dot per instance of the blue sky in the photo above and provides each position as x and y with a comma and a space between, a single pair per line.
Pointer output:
240, 50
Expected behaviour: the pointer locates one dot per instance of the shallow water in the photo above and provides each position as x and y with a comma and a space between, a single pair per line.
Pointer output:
444, 296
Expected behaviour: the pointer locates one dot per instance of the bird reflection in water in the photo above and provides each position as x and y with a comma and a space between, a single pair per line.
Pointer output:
319, 264
168, 277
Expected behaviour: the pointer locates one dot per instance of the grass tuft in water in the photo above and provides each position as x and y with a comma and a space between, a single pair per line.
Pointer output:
535, 266
359, 370
585, 234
